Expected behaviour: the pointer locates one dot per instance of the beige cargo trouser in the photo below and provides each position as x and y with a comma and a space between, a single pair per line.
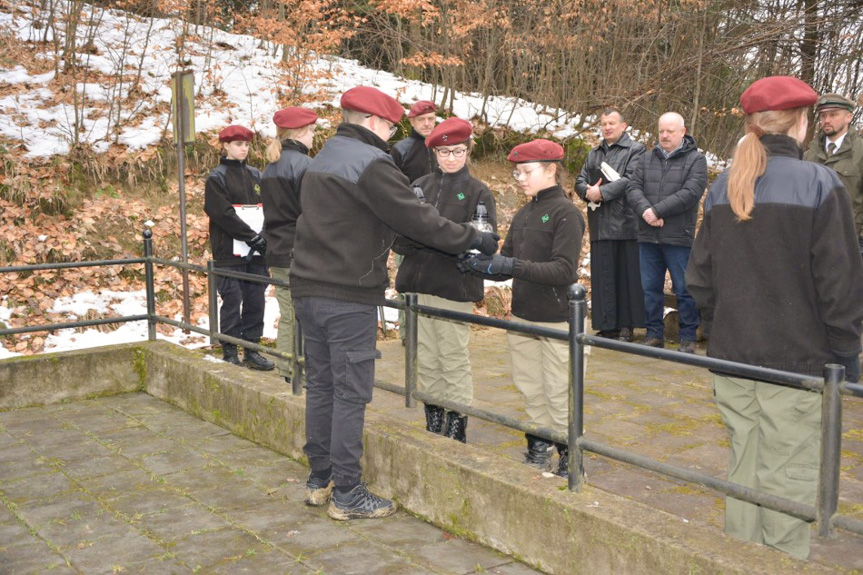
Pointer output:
443, 358
540, 371
285, 336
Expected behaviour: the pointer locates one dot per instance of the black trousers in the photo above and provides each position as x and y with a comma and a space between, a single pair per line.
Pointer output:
340, 341
617, 299
242, 311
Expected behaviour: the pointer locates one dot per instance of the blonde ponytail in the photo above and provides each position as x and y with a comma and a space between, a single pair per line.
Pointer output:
750, 158
274, 150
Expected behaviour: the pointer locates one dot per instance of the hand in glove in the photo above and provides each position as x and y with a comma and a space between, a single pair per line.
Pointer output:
258, 244
852, 367
488, 265
485, 242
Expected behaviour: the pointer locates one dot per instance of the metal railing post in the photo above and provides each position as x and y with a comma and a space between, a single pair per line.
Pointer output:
150, 287
212, 295
410, 349
577, 311
831, 447
296, 366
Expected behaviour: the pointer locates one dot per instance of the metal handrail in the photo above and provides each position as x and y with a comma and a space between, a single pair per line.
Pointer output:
831, 387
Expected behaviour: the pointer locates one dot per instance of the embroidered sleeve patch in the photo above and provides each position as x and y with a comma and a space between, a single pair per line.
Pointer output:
460, 196
544, 218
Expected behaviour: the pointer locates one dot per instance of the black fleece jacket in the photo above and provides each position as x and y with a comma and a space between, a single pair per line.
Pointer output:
413, 158
545, 238
784, 289
230, 183
429, 271
354, 202
280, 193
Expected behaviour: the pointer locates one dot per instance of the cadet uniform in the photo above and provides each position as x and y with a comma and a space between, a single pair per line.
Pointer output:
234, 182
783, 290
280, 194
354, 202
443, 358
541, 254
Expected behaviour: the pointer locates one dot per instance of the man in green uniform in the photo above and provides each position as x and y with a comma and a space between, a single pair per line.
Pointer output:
837, 146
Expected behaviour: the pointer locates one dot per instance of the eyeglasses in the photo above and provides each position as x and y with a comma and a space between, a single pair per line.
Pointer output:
393, 127
519, 174
445, 152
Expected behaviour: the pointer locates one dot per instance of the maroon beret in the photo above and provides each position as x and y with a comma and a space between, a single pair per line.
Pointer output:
422, 107
236, 134
536, 151
294, 117
777, 93
373, 101
450, 132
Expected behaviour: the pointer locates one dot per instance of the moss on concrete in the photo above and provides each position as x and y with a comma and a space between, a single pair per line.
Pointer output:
140, 367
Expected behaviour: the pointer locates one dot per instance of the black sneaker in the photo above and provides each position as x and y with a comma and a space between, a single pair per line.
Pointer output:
232, 359
654, 342
358, 503
254, 360
318, 491
625, 335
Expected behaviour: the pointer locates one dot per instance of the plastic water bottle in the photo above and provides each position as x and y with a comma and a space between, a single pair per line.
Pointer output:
480, 221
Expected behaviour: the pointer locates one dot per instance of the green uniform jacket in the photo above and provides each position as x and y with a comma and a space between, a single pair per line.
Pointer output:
847, 161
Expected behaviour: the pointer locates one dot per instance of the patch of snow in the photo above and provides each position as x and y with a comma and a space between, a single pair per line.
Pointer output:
240, 87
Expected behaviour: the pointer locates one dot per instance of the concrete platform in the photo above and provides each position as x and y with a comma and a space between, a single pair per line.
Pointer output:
131, 484
625, 521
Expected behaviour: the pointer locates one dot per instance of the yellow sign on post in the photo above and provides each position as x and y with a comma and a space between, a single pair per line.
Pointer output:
183, 105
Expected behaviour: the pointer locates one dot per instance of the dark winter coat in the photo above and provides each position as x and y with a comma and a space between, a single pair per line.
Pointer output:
354, 202
280, 193
429, 271
413, 158
613, 219
784, 290
673, 187
230, 183
545, 238
847, 161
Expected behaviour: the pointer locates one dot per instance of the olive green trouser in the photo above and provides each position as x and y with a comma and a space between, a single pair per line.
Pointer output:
400, 297
443, 358
540, 371
285, 337
775, 448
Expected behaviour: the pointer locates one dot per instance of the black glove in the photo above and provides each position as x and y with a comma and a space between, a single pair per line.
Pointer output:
488, 265
258, 244
852, 367
485, 242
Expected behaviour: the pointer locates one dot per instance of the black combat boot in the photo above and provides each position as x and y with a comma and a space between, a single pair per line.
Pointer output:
456, 426
229, 354
254, 360
434, 418
538, 452
563, 462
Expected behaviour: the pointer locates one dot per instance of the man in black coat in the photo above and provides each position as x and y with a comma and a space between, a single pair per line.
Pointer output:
664, 191
411, 155
617, 301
